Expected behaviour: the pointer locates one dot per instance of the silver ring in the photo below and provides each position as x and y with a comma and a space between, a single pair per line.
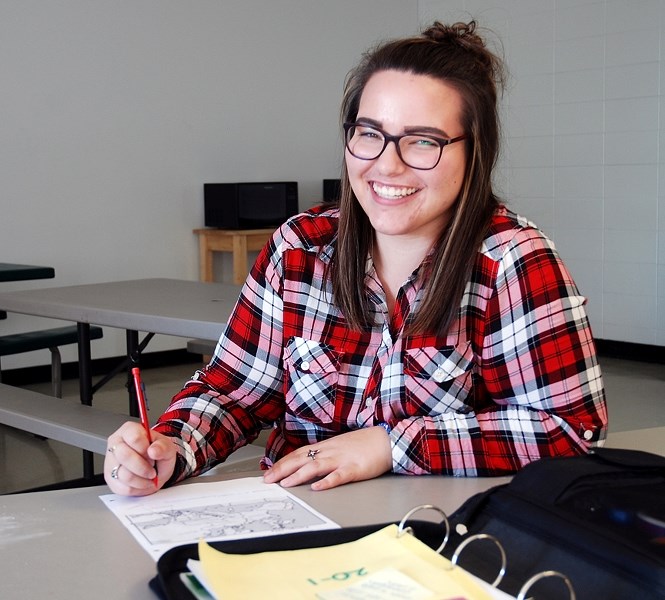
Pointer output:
312, 454
111, 449
114, 472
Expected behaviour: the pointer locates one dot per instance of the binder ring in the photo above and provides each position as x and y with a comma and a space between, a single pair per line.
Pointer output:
538, 576
483, 536
401, 529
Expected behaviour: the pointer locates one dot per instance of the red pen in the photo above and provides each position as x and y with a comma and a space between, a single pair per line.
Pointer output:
143, 409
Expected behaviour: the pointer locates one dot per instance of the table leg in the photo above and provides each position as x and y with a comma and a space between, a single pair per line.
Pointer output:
239, 259
85, 387
134, 359
206, 270
85, 368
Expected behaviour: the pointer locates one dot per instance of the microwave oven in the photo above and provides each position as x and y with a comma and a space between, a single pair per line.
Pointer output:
255, 205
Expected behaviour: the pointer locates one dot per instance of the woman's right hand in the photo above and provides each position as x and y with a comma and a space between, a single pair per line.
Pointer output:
131, 462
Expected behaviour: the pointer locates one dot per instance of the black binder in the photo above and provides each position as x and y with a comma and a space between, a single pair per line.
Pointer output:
593, 517
168, 585
588, 527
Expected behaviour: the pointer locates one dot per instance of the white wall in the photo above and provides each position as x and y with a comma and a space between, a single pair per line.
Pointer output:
584, 148
114, 113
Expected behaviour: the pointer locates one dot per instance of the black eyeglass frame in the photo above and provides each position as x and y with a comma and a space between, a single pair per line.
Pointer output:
387, 138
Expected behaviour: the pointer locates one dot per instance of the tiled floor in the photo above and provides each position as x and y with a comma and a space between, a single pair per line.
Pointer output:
635, 393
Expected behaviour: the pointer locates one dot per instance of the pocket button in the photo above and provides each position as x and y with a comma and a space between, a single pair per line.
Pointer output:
439, 375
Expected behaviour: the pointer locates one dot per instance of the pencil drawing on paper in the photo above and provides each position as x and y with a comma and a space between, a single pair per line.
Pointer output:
208, 519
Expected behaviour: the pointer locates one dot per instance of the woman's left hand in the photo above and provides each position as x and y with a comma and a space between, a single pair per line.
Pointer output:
352, 456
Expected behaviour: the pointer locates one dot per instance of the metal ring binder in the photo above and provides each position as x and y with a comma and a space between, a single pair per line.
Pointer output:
538, 576
483, 536
401, 529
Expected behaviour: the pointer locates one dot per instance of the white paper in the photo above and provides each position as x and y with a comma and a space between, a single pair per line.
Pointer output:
224, 510
196, 568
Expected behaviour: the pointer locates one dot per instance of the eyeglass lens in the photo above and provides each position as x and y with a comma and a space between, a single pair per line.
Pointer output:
417, 151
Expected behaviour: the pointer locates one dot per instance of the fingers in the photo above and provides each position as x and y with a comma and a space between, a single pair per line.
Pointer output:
330, 481
126, 467
132, 463
352, 456
319, 465
309, 465
121, 481
127, 473
297, 467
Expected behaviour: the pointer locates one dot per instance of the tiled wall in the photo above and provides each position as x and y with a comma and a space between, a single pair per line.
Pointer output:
584, 152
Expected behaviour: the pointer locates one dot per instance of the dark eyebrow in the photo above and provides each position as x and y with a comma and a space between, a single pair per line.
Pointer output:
433, 131
368, 121
425, 130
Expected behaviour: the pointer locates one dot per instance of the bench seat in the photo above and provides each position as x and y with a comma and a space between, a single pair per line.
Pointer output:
86, 427
17, 343
60, 419
29, 341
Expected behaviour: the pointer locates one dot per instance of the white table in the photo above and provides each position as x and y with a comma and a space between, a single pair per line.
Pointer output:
651, 439
14, 272
67, 544
169, 306
165, 306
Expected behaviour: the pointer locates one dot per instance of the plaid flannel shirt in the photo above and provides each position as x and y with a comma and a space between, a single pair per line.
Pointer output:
515, 378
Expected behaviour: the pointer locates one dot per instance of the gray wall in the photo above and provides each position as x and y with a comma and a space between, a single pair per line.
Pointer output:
114, 114
584, 147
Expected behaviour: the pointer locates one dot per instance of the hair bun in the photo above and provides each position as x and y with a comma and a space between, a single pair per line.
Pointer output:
463, 38
457, 32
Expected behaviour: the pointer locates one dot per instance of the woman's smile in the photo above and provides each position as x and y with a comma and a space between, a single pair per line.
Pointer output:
391, 192
400, 200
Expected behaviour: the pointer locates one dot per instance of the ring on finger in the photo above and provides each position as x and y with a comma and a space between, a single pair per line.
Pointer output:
312, 453
114, 472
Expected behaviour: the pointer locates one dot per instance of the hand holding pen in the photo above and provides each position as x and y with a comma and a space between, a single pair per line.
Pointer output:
143, 411
135, 452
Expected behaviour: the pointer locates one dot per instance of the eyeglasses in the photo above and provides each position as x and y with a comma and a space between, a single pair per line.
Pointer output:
416, 150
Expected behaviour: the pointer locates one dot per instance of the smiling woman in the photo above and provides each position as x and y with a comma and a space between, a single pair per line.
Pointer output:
419, 327
408, 189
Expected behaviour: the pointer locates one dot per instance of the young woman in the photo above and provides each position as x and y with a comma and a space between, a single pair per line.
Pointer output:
419, 328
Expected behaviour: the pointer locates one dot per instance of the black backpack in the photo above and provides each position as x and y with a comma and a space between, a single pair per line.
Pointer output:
599, 519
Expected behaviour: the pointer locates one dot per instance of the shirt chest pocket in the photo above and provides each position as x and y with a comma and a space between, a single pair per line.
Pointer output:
438, 380
312, 373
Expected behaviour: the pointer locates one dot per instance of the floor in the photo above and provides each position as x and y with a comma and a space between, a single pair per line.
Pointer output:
635, 395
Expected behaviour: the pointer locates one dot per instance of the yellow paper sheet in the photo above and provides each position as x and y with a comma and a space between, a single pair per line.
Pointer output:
302, 574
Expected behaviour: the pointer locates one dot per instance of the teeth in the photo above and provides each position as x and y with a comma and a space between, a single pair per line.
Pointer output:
393, 192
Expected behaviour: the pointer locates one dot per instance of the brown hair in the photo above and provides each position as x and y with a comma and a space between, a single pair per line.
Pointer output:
456, 55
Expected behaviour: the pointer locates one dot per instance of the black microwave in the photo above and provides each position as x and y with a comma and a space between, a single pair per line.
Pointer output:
256, 205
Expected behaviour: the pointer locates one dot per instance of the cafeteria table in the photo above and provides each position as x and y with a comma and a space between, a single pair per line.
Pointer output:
156, 306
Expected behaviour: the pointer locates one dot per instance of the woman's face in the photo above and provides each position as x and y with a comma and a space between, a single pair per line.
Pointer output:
400, 200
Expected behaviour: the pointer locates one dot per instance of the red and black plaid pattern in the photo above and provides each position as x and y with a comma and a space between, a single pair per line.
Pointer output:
515, 378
